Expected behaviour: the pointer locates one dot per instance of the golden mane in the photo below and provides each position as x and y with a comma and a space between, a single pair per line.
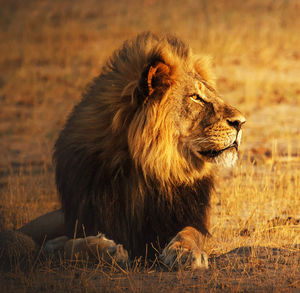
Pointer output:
153, 148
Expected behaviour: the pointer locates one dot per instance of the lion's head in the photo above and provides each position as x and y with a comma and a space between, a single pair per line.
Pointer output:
179, 125
146, 133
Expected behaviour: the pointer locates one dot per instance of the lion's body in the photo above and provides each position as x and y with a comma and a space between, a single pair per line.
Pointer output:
135, 158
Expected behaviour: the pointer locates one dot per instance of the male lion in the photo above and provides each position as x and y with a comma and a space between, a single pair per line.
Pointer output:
136, 158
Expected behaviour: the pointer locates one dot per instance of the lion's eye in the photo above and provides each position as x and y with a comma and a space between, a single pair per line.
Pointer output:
197, 99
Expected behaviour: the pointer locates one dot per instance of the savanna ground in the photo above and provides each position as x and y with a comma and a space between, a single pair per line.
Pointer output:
50, 50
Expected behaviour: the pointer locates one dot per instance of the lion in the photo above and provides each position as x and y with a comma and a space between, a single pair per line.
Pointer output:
137, 157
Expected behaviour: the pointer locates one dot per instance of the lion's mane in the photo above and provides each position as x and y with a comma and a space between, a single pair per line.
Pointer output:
119, 169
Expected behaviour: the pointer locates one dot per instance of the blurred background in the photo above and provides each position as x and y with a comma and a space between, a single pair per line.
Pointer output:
50, 50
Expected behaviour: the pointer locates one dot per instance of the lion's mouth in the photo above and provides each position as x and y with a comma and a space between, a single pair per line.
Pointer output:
215, 153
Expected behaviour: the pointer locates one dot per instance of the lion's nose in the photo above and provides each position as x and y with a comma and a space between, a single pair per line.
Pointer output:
236, 121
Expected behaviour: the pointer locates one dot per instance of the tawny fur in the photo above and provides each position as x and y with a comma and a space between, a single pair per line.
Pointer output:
129, 160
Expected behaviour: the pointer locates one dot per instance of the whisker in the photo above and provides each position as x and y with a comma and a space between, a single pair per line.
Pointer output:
201, 139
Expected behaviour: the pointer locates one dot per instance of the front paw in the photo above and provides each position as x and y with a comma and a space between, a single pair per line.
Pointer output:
117, 253
185, 250
96, 247
175, 257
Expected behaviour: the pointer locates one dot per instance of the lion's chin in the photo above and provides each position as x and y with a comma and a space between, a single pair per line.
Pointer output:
225, 158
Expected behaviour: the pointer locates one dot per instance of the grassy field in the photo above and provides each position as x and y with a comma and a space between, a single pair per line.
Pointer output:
50, 50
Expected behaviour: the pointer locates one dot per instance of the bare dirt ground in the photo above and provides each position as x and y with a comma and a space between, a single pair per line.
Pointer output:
50, 50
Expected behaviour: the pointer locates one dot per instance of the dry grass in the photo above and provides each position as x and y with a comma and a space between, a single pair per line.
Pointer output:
51, 49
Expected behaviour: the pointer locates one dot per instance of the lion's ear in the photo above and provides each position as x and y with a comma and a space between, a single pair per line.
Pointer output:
203, 65
155, 80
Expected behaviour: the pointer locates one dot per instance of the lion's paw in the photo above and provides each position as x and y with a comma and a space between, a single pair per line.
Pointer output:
96, 246
185, 250
175, 258
118, 253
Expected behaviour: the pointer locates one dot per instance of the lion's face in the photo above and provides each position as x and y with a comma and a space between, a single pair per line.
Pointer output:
209, 129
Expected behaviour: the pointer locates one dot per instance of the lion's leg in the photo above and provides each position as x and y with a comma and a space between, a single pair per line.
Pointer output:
49, 226
186, 249
93, 246
56, 244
